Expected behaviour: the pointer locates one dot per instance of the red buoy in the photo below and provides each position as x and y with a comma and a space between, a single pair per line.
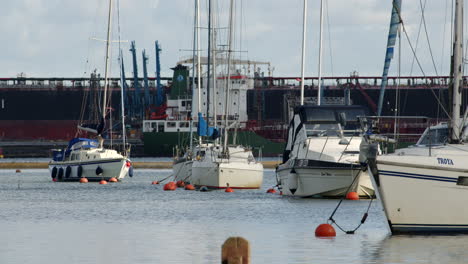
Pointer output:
352, 196
170, 186
103, 182
154, 182
189, 187
229, 189
54, 179
18, 170
325, 230
83, 180
113, 179
180, 183
271, 190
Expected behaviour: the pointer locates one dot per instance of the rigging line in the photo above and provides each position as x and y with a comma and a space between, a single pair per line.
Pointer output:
419, 34
416, 57
427, 37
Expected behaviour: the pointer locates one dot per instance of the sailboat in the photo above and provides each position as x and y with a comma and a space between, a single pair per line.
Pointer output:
423, 188
321, 157
212, 163
88, 158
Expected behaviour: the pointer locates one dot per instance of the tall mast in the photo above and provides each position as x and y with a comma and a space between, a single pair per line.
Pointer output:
214, 49
304, 25
208, 66
122, 105
198, 64
106, 72
319, 92
228, 80
457, 72
193, 71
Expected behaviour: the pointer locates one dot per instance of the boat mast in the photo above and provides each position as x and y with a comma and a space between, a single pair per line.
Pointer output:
228, 80
106, 72
193, 71
457, 72
198, 65
304, 25
122, 105
319, 92
208, 67
215, 86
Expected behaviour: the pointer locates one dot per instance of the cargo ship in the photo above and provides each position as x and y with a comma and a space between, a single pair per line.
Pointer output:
37, 114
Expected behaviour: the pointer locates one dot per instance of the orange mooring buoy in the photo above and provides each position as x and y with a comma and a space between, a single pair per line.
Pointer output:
271, 190
18, 171
83, 180
325, 230
102, 182
180, 184
170, 186
189, 187
113, 179
154, 182
352, 196
229, 189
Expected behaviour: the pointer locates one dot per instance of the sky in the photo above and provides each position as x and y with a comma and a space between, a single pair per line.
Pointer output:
63, 38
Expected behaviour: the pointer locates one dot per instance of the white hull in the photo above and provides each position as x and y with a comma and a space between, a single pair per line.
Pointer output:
325, 182
420, 195
111, 168
235, 174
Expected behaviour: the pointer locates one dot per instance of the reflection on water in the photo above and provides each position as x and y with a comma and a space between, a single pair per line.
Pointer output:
136, 222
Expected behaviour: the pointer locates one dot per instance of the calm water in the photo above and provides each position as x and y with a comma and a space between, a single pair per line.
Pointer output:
136, 222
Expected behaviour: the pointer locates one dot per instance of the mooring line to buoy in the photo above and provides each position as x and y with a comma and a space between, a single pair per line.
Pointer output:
166, 178
364, 217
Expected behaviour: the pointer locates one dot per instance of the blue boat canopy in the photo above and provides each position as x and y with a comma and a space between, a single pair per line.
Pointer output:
78, 143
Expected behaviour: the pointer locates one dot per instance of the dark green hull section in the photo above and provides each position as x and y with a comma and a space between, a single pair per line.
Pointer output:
163, 144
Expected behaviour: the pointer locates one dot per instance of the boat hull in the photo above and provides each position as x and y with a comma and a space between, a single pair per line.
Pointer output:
111, 168
332, 180
420, 196
236, 175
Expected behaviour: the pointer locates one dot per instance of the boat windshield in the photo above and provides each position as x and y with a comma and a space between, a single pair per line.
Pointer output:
434, 136
323, 130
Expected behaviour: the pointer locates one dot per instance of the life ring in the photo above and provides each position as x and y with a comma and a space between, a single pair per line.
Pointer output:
60, 174
68, 171
54, 173
99, 171
80, 171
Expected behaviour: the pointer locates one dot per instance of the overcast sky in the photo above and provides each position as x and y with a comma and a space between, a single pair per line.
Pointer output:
53, 38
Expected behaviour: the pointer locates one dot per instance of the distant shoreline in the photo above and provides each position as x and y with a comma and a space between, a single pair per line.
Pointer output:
137, 165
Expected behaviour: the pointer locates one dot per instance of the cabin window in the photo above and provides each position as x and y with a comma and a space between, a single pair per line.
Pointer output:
201, 153
171, 124
322, 130
434, 136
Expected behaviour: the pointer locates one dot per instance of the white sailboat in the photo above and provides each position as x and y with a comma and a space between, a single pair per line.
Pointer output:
321, 156
423, 187
88, 158
221, 165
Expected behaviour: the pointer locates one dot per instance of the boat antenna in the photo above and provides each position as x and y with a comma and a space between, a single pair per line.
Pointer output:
304, 25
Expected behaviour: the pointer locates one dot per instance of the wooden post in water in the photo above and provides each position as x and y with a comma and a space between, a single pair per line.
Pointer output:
236, 250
